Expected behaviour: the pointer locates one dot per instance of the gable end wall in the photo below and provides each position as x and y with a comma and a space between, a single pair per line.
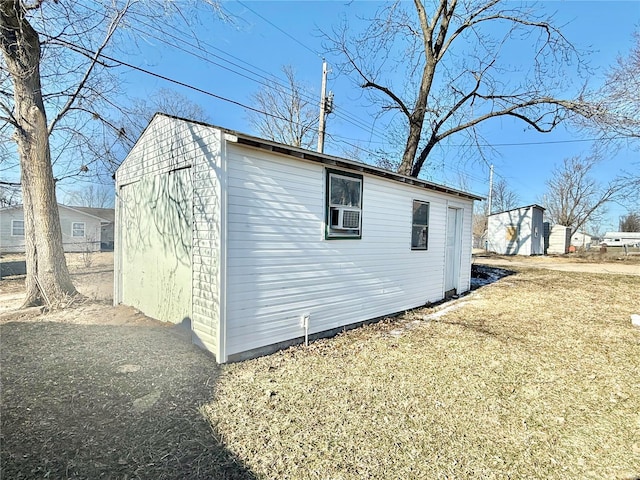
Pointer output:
170, 145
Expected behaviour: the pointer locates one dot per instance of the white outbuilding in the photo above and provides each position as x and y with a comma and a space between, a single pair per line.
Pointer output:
519, 231
256, 244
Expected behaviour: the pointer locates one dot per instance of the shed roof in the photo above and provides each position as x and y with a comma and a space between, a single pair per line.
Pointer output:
330, 160
533, 205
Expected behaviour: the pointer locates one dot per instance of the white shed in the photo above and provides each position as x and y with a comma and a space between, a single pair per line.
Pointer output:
81, 230
557, 239
249, 239
517, 232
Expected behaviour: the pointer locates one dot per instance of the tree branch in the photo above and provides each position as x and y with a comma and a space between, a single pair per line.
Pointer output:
390, 94
94, 61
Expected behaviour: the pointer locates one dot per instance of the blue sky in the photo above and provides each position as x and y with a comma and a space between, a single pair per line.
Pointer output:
255, 41
230, 58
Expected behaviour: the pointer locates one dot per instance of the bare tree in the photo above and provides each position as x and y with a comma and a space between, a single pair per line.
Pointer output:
54, 54
614, 108
453, 78
9, 194
95, 196
165, 100
630, 222
291, 118
503, 198
47, 274
479, 226
575, 198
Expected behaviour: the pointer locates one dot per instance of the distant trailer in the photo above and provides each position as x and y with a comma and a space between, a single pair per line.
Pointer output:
620, 239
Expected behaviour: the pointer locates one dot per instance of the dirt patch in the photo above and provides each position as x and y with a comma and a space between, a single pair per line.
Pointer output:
119, 399
92, 274
96, 391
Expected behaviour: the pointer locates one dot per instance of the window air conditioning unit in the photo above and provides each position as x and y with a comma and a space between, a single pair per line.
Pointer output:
345, 218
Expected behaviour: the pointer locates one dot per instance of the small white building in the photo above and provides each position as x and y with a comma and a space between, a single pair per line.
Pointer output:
517, 232
557, 239
81, 231
257, 243
581, 240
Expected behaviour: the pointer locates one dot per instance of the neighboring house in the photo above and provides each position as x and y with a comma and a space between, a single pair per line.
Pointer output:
619, 239
517, 232
256, 244
581, 240
106, 226
81, 231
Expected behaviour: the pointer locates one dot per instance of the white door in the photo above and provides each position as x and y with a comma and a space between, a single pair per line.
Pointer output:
155, 245
452, 260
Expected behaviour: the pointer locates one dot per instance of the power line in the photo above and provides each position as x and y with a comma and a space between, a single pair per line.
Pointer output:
355, 121
87, 52
350, 118
268, 81
280, 29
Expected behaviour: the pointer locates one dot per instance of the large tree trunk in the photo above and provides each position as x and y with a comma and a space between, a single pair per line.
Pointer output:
48, 279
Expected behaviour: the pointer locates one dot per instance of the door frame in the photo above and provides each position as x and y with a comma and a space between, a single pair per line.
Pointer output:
453, 260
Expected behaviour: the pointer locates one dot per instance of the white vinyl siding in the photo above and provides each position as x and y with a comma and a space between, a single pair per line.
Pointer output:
80, 232
8, 241
208, 266
186, 156
260, 258
516, 232
12, 230
280, 267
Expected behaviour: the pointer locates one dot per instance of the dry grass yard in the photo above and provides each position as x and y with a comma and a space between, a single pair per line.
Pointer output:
536, 376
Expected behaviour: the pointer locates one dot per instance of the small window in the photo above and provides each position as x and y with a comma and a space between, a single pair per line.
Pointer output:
344, 205
512, 234
77, 229
420, 226
17, 228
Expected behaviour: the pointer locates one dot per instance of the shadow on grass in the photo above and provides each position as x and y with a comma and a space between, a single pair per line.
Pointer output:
97, 401
482, 275
11, 268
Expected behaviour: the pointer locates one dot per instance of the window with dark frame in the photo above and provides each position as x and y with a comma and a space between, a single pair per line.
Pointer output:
344, 205
420, 226
77, 229
17, 228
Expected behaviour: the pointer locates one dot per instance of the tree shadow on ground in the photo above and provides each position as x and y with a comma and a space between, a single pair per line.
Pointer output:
98, 401
482, 275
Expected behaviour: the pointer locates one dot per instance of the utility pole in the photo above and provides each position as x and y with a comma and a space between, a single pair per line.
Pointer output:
486, 231
490, 190
326, 106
